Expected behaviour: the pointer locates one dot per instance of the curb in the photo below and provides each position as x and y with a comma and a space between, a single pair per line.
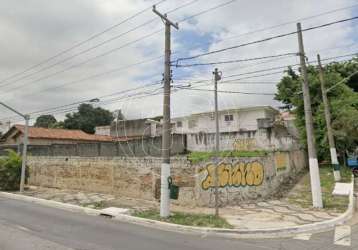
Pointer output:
228, 233
51, 203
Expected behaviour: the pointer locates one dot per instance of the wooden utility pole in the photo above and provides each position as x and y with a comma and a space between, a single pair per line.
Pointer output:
327, 114
312, 155
217, 77
165, 167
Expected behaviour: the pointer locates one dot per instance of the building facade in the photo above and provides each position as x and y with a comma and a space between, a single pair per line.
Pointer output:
245, 129
251, 128
146, 127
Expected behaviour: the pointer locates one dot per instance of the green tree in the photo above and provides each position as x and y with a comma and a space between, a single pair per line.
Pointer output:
10, 171
87, 118
343, 104
59, 124
45, 121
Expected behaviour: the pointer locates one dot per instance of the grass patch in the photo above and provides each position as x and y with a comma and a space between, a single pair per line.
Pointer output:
199, 220
196, 157
302, 195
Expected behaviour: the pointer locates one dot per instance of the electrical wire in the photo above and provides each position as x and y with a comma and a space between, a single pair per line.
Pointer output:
235, 61
228, 92
291, 22
342, 81
270, 69
88, 100
265, 39
96, 46
82, 42
115, 70
207, 10
115, 49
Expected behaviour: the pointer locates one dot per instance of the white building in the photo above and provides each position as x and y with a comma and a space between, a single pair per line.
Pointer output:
251, 128
230, 120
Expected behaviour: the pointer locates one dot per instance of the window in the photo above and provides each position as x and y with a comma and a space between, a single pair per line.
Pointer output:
179, 124
229, 118
212, 116
192, 123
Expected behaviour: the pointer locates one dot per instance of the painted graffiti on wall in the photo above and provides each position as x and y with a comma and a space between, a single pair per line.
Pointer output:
234, 175
244, 144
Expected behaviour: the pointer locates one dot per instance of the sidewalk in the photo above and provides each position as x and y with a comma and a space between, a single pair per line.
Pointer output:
260, 215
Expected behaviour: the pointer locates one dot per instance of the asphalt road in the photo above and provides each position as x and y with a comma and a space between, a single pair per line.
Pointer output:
25, 225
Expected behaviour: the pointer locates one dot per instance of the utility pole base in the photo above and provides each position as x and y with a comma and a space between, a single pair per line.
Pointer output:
315, 183
337, 175
335, 164
164, 191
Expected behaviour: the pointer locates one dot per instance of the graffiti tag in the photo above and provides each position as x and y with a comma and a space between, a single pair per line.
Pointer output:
237, 175
244, 144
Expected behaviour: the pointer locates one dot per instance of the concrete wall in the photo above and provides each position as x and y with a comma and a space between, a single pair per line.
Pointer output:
129, 128
139, 147
139, 177
276, 138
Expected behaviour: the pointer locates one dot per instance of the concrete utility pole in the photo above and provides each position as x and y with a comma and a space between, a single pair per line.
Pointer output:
217, 77
25, 142
165, 168
327, 113
312, 155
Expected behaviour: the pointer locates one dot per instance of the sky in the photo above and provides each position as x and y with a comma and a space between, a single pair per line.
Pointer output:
45, 61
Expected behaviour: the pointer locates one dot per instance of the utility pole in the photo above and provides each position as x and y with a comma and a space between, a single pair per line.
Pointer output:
217, 77
327, 114
312, 155
24, 142
165, 167
24, 153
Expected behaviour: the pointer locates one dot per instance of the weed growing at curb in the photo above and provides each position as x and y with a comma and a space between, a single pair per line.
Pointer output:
198, 220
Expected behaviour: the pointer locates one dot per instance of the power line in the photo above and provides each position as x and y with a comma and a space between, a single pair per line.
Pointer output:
235, 61
292, 22
115, 49
286, 23
228, 92
264, 40
104, 103
264, 70
208, 10
97, 46
95, 76
81, 43
67, 107
342, 81
87, 100
82, 63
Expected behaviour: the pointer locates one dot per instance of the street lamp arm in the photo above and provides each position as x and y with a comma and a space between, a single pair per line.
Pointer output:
14, 110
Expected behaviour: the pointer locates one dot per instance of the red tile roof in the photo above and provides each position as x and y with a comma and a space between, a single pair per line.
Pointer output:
62, 134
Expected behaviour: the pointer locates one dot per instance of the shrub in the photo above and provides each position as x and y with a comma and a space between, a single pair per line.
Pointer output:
10, 171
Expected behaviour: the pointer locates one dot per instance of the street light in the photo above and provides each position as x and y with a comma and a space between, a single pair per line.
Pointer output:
25, 142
